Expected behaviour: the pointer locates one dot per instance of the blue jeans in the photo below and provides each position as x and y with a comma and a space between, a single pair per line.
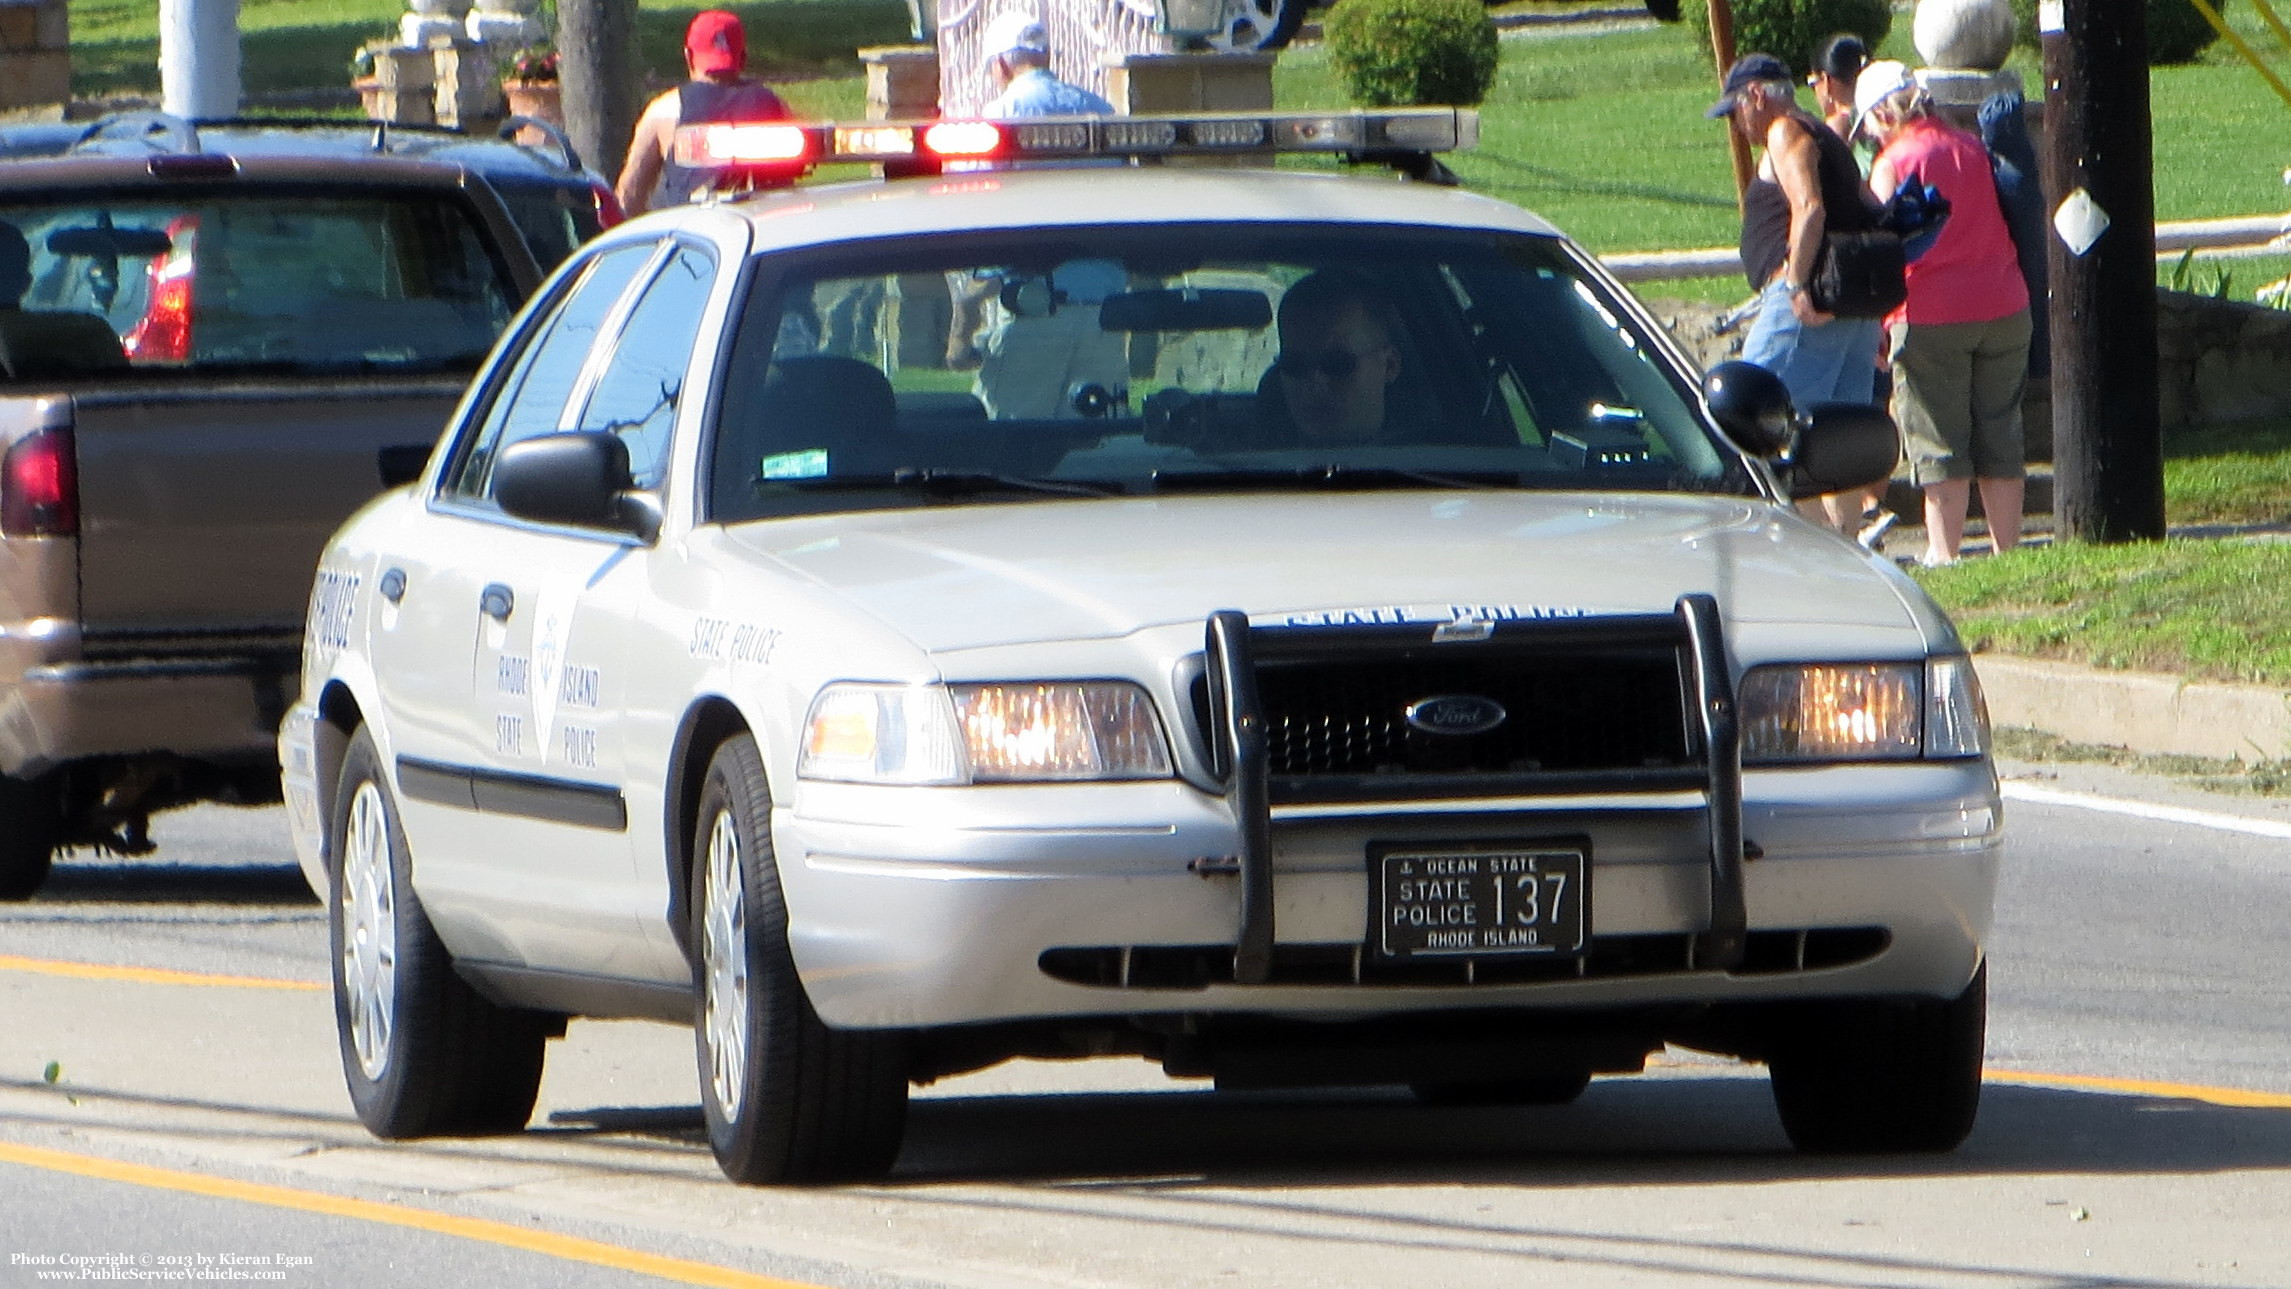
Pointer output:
1832, 363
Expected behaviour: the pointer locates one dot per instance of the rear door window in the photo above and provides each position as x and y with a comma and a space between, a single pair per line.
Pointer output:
294, 282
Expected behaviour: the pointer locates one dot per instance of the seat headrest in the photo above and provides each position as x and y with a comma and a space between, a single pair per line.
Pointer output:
826, 400
39, 344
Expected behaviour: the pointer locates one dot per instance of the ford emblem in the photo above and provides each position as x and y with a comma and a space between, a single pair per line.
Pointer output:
1455, 714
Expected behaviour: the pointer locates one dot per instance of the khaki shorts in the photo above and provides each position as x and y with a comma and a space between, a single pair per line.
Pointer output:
1957, 390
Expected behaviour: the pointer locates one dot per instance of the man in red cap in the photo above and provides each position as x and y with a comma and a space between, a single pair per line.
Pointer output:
715, 53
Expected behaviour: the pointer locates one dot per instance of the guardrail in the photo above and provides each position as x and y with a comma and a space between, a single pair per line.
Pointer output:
2240, 235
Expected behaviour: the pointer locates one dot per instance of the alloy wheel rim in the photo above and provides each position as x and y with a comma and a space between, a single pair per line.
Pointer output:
369, 942
724, 953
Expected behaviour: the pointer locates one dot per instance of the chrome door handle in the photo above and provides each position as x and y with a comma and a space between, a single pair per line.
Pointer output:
496, 602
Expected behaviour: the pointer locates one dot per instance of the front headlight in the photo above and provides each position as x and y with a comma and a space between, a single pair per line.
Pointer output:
1064, 731
881, 734
1099, 729
1862, 712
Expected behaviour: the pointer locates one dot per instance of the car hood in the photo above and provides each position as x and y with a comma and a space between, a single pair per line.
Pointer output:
977, 576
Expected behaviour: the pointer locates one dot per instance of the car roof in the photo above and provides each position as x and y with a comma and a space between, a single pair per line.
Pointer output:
144, 134
84, 170
1087, 196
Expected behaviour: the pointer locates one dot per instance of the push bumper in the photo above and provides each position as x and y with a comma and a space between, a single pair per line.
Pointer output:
926, 907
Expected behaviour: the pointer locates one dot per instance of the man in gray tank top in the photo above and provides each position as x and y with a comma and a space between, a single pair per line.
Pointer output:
715, 54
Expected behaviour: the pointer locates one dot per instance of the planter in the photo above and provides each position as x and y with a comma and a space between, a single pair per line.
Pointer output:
541, 100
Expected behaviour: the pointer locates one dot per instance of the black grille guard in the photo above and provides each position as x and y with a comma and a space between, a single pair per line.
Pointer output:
1239, 759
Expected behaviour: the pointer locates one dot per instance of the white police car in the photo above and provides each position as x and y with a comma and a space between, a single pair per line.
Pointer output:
1116, 687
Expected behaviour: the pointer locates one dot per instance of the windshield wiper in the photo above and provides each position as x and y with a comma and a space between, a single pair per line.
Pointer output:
949, 483
1332, 477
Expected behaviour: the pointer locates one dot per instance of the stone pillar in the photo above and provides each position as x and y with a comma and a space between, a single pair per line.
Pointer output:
404, 87
35, 58
468, 90
902, 82
1194, 83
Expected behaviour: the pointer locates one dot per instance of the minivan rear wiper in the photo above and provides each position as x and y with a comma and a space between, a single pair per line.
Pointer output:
953, 483
1332, 477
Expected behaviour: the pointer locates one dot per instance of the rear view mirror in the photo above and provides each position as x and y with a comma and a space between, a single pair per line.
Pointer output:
1202, 309
101, 241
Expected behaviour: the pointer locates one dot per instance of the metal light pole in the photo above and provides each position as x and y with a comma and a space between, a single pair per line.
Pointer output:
596, 45
199, 58
2108, 466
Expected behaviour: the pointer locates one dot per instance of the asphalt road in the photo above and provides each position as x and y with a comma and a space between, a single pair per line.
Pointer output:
2136, 1129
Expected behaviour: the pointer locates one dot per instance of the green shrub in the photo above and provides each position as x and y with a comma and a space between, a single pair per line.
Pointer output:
1789, 29
1404, 53
2177, 32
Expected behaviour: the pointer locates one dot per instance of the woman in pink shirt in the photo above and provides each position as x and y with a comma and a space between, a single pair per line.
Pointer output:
1960, 342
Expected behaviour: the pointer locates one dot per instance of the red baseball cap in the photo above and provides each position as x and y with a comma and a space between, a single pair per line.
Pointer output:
716, 43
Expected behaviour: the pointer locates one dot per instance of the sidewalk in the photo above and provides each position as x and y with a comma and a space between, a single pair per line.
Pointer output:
2146, 712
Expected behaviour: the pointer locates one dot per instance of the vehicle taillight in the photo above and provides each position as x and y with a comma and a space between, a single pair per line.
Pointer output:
163, 334
40, 486
609, 212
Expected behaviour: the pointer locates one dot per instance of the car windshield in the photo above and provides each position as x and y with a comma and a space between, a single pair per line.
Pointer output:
1213, 358
277, 282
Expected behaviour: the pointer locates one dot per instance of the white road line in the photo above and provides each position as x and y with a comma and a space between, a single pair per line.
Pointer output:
2145, 810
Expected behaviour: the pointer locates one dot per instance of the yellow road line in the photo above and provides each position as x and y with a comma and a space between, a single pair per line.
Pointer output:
2237, 1097
147, 975
571, 1248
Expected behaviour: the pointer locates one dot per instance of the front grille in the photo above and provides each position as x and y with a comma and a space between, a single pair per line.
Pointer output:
1580, 711
1561, 714
1774, 952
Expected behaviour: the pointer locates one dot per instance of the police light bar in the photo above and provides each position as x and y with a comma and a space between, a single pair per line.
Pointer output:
1410, 131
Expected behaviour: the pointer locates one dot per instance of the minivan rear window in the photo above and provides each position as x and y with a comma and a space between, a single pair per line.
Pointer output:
251, 282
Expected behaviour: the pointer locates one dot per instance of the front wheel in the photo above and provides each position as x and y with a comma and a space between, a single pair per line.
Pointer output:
28, 827
785, 1097
423, 1053
1884, 1077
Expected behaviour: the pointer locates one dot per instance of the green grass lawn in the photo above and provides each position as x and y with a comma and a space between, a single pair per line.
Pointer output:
2209, 608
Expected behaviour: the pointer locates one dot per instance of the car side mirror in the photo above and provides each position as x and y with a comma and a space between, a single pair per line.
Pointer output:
1752, 408
577, 478
1842, 446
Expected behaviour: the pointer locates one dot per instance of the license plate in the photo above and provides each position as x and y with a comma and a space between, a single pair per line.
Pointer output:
1479, 900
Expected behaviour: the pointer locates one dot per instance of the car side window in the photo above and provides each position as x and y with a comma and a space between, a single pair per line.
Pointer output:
636, 396
531, 400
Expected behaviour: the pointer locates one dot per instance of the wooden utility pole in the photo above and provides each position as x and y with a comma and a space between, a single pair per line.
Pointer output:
1722, 49
2108, 464
596, 45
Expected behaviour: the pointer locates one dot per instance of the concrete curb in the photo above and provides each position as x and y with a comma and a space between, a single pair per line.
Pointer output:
2143, 711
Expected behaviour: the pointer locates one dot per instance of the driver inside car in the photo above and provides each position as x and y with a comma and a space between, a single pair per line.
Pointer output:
1337, 360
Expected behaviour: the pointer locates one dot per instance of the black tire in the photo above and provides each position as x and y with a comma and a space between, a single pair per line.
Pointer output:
423, 1054
1254, 25
1888, 1077
786, 1098
28, 827
1532, 1090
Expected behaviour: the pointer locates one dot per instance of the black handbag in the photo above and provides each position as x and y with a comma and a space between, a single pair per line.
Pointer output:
1860, 275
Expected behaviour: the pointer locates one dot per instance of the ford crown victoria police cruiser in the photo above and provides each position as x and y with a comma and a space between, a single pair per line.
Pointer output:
751, 655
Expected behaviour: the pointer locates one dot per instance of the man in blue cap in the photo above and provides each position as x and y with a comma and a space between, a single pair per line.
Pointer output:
1807, 185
